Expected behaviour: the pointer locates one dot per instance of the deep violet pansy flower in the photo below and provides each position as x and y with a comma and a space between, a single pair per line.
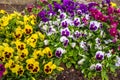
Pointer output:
42, 14
64, 24
2, 70
98, 67
65, 32
99, 55
83, 8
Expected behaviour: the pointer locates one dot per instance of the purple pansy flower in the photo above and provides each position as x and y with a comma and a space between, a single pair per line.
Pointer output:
64, 40
65, 32
64, 24
94, 25
98, 67
79, 12
42, 14
76, 34
77, 22
83, 8
59, 51
99, 55
2, 70
62, 15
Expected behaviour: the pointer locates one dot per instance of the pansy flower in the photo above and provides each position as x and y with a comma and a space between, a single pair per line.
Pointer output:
99, 55
65, 32
64, 40
49, 67
28, 29
98, 67
59, 51
94, 25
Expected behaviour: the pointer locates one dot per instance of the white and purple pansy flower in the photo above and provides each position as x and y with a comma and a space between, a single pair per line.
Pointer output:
76, 22
98, 67
76, 34
59, 51
51, 30
64, 23
63, 16
99, 55
65, 32
83, 45
65, 40
94, 25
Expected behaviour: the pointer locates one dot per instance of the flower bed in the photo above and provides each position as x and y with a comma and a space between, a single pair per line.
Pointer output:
23, 54
85, 36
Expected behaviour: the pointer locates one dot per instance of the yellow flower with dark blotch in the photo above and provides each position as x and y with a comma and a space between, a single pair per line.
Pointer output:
8, 52
26, 19
113, 4
32, 40
11, 65
41, 36
4, 21
2, 58
36, 54
28, 29
47, 51
36, 67
49, 67
18, 33
20, 45
19, 70
23, 54
32, 65
32, 19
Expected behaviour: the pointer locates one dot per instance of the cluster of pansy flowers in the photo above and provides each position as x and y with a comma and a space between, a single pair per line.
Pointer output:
22, 48
92, 27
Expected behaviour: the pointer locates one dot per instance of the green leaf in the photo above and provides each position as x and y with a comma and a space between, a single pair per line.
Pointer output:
104, 75
112, 68
68, 65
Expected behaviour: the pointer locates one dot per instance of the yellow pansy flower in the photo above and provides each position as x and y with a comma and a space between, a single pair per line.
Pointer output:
11, 65
20, 45
32, 65
113, 4
18, 33
23, 54
49, 67
32, 40
47, 51
2, 11
36, 67
36, 54
28, 29
8, 52
26, 19
4, 21
19, 70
